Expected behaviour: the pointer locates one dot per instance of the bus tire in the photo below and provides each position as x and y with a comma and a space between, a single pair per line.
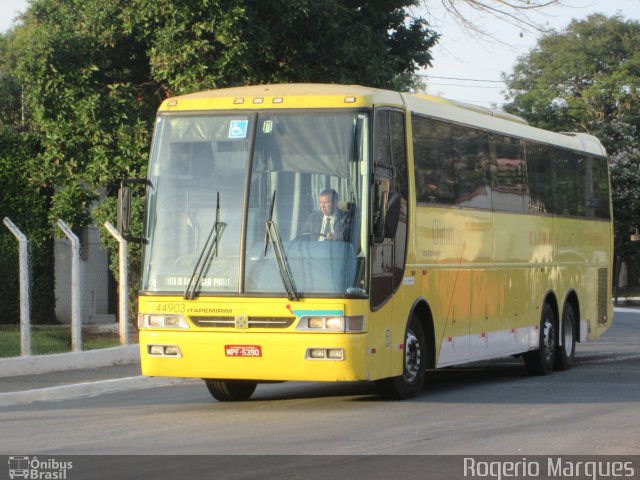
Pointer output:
541, 360
566, 352
230, 390
409, 384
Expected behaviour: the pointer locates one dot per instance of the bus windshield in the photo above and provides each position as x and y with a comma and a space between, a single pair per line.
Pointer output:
221, 183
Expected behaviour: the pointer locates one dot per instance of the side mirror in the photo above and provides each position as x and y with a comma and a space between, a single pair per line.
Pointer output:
379, 213
123, 221
392, 218
124, 209
386, 222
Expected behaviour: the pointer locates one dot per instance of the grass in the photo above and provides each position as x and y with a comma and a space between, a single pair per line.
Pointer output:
51, 339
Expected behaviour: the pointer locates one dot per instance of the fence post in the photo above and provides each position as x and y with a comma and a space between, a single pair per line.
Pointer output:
76, 321
25, 294
123, 289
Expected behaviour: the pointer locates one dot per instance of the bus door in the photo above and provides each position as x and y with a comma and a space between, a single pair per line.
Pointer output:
389, 230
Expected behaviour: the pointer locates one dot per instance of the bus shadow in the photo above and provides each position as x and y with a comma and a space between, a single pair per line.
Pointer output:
595, 377
443, 382
504, 381
509, 382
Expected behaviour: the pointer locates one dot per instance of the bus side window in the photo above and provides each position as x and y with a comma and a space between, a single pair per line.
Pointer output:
508, 168
434, 165
471, 153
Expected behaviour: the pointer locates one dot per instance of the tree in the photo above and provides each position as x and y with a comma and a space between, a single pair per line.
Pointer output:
587, 78
26, 205
91, 73
519, 13
22, 201
197, 45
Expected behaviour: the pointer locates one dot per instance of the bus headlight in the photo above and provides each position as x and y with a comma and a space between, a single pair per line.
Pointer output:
325, 354
162, 321
164, 351
353, 323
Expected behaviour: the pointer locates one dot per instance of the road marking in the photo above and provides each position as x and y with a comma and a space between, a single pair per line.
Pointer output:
87, 389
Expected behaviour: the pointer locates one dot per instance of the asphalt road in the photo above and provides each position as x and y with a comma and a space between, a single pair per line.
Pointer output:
490, 408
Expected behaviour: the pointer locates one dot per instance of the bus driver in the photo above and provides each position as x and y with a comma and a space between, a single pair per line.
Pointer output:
330, 223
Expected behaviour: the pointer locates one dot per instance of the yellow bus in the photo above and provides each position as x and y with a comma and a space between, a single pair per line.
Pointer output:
343, 233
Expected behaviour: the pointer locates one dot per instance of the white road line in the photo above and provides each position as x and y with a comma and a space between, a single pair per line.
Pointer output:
86, 389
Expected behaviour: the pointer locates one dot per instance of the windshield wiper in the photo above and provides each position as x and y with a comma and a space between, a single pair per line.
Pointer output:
210, 247
272, 234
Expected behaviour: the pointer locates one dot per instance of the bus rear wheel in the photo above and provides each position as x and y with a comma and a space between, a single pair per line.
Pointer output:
230, 390
566, 352
409, 384
541, 361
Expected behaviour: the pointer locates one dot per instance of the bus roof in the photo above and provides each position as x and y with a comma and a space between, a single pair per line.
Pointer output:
295, 95
499, 122
307, 95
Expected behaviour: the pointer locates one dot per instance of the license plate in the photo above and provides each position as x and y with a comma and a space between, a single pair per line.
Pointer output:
243, 350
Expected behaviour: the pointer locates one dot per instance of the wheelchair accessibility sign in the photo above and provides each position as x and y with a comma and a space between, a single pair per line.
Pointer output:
238, 129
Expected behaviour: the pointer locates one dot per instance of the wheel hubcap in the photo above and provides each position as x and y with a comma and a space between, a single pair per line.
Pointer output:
412, 357
548, 339
567, 335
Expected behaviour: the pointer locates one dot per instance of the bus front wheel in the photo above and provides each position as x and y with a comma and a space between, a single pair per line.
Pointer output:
230, 390
541, 361
409, 384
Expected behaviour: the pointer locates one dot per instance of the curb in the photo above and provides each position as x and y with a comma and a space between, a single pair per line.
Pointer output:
88, 389
626, 310
35, 364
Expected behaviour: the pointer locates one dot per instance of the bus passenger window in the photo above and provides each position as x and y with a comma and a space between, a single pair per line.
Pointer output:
434, 163
508, 187
471, 151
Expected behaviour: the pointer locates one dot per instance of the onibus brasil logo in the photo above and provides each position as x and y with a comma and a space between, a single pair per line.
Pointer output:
38, 469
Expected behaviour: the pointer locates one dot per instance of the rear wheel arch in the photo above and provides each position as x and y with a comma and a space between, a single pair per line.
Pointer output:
422, 310
551, 299
572, 299
541, 360
568, 328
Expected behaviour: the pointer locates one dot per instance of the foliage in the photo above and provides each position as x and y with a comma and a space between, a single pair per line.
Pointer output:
196, 45
26, 205
587, 78
93, 72
625, 184
85, 88
85, 77
11, 111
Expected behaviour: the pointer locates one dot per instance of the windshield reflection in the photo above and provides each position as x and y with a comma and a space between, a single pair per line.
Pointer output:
299, 156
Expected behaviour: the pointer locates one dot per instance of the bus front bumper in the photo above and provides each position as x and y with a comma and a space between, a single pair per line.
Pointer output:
257, 356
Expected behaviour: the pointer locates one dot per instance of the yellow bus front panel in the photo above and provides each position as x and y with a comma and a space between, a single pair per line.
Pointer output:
254, 338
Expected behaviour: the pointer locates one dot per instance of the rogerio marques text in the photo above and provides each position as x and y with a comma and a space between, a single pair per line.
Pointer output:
591, 468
